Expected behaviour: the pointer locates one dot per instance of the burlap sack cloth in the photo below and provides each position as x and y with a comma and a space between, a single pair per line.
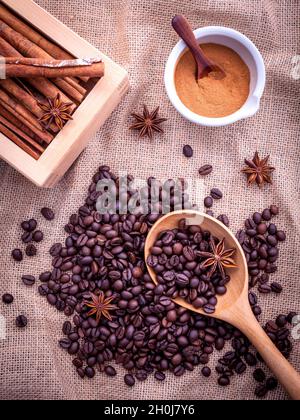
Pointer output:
138, 35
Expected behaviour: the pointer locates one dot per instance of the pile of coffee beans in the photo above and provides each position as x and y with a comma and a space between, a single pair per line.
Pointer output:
148, 333
178, 264
260, 240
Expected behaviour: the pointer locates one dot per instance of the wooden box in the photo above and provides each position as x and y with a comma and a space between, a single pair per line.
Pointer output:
89, 116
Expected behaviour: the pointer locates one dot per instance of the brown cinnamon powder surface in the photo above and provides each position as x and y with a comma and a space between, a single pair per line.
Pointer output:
210, 97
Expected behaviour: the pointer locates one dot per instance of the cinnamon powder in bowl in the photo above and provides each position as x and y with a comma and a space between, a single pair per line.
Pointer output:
211, 96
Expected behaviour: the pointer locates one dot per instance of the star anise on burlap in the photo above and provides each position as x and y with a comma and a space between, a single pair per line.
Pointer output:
219, 258
148, 123
100, 306
258, 170
55, 111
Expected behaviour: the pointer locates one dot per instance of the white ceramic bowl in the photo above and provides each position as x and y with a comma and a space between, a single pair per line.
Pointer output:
248, 52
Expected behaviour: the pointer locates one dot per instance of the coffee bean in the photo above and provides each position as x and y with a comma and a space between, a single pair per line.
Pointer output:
208, 202
7, 298
261, 391
28, 280
216, 194
276, 287
90, 372
291, 316
38, 236
110, 371
206, 372
67, 328
21, 321
259, 375
205, 170
129, 380
160, 376
271, 384
224, 219
266, 215
274, 210
26, 237
48, 213
31, 250
224, 381
188, 151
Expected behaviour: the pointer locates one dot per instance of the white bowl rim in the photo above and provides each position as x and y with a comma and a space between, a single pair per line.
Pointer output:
243, 112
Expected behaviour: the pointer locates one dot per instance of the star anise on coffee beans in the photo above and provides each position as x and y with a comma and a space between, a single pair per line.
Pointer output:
55, 111
100, 305
258, 170
219, 258
148, 123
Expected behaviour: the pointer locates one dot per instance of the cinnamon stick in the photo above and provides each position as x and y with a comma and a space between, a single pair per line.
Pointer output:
29, 49
18, 25
24, 146
43, 86
25, 98
21, 134
33, 67
25, 116
17, 123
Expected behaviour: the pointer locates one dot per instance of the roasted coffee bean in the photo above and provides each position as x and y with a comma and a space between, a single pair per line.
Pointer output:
208, 202
90, 372
276, 287
110, 371
259, 375
47, 213
28, 280
31, 250
7, 298
271, 384
26, 237
56, 249
205, 170
21, 321
224, 219
216, 194
261, 391
67, 328
281, 321
250, 359
224, 381
129, 380
37, 236
17, 255
206, 372
188, 151
266, 215
160, 376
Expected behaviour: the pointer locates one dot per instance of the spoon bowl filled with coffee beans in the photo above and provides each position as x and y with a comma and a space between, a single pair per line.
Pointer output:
198, 262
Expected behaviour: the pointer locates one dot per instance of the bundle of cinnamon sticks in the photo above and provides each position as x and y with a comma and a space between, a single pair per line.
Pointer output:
34, 71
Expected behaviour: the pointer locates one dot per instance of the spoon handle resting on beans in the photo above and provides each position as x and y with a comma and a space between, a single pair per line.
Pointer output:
233, 307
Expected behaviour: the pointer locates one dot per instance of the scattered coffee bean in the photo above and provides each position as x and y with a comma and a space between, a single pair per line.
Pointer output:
17, 255
261, 391
37, 236
259, 375
129, 380
205, 170
208, 202
276, 287
271, 384
7, 298
110, 371
160, 376
21, 321
26, 237
48, 213
28, 280
224, 219
223, 381
31, 250
206, 372
216, 194
188, 151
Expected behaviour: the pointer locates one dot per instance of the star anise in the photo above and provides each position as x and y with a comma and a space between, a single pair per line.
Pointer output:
219, 258
100, 305
55, 111
148, 123
258, 170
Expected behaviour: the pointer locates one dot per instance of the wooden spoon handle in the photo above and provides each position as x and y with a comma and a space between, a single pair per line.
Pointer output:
284, 371
184, 30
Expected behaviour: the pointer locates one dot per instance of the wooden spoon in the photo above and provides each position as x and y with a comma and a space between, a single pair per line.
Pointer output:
233, 307
204, 65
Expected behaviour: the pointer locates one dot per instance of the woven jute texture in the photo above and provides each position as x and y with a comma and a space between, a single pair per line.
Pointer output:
138, 35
